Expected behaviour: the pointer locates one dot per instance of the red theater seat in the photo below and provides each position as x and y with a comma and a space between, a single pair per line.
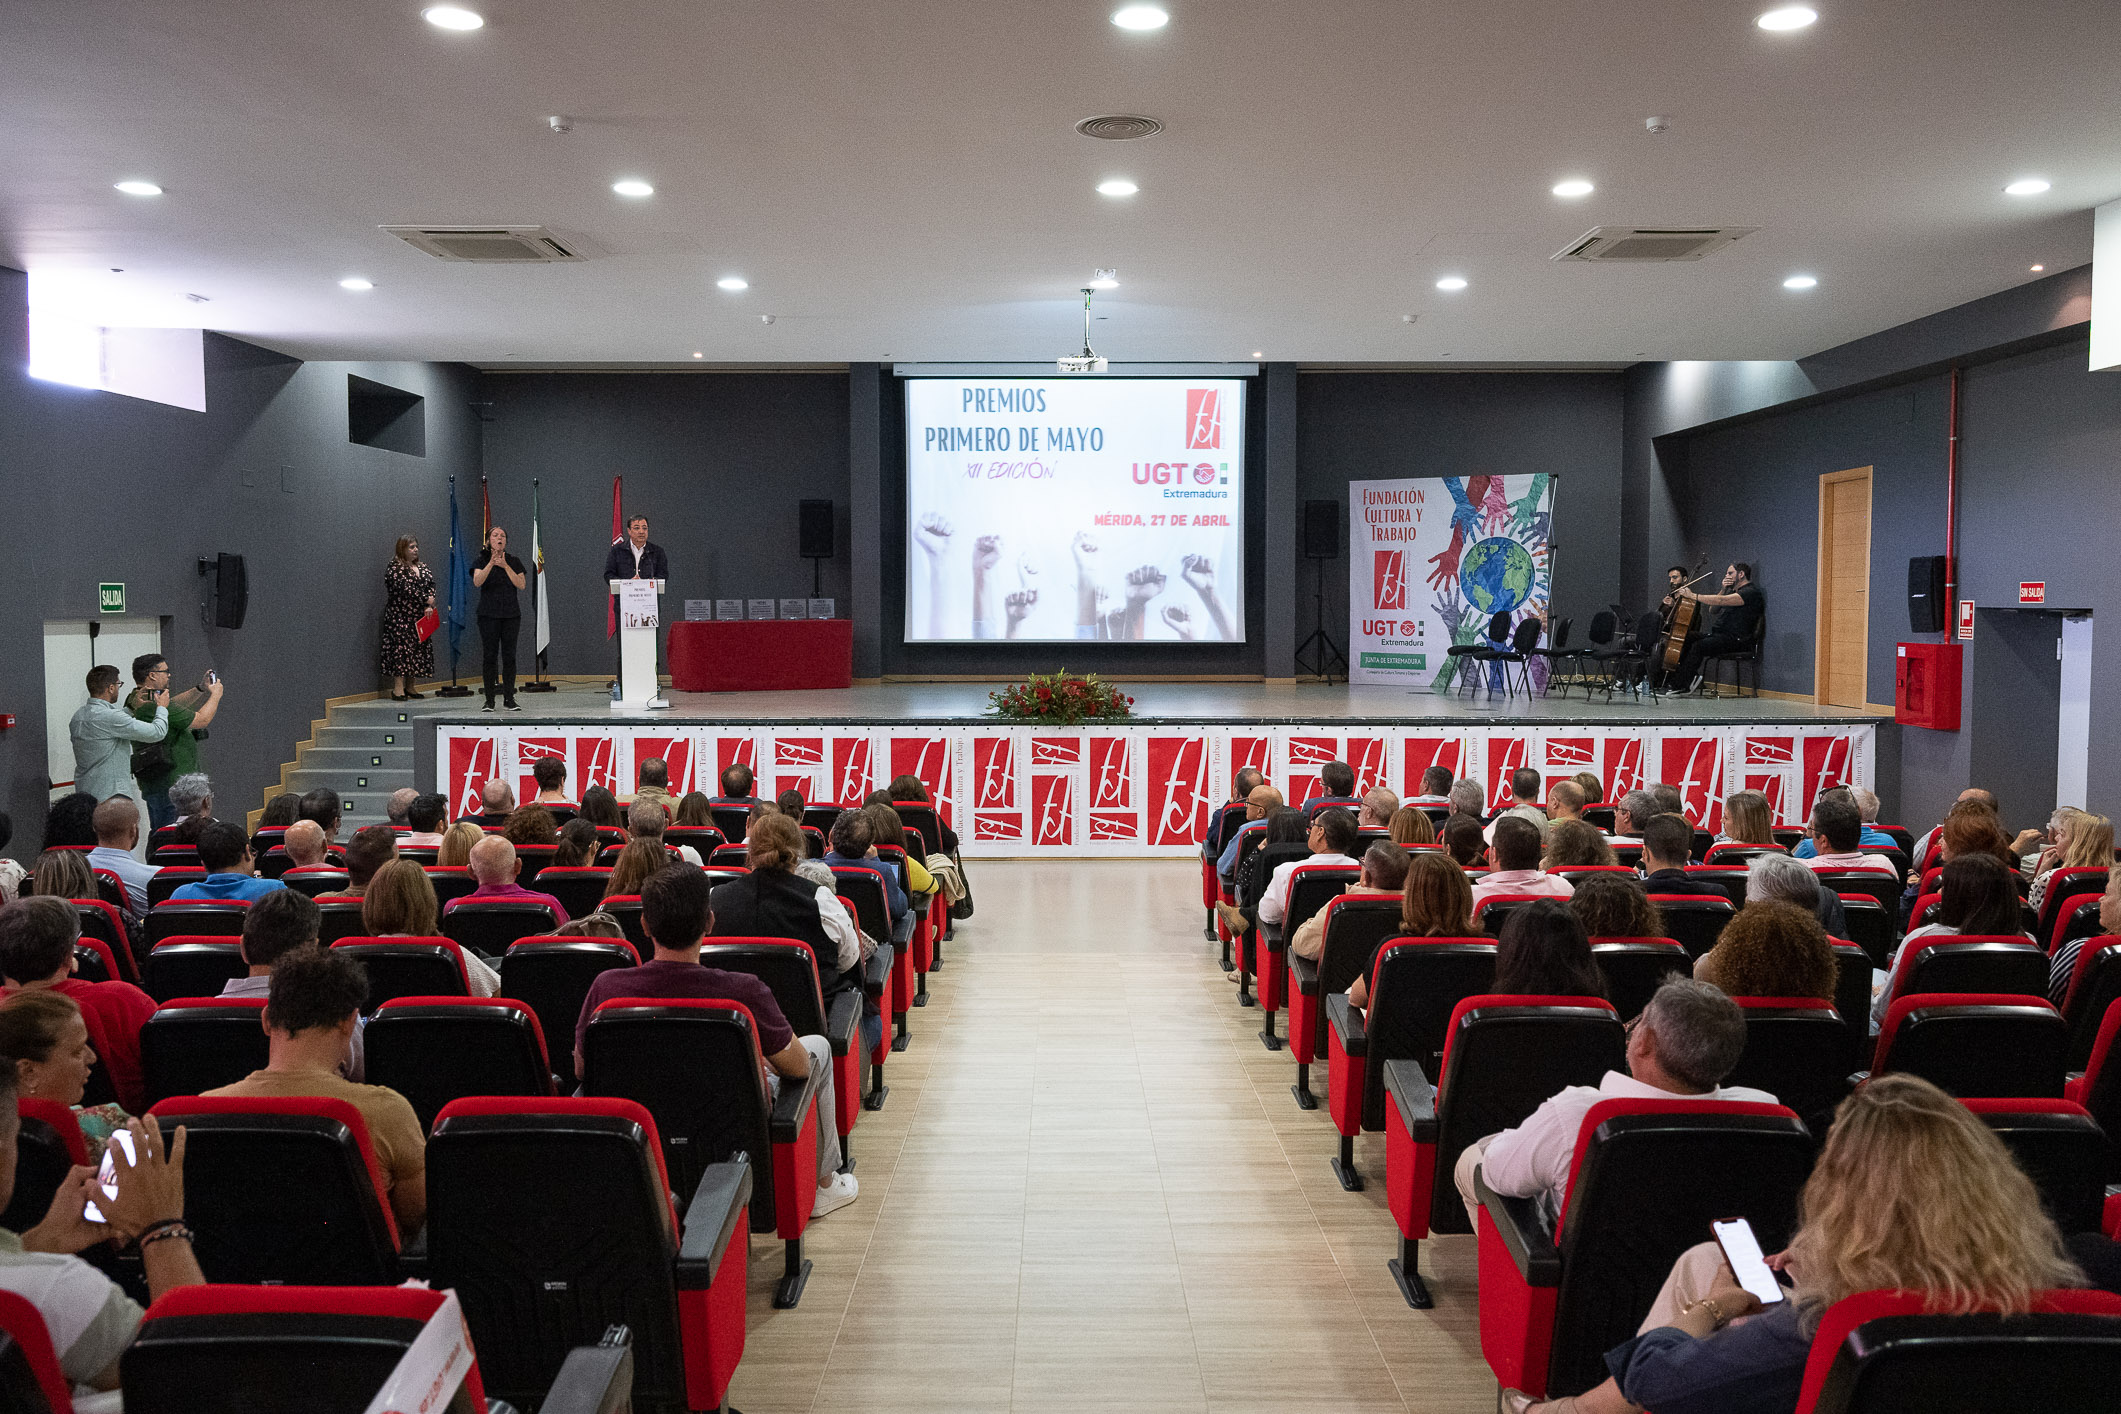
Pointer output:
1693, 921
552, 977
1878, 1353
1799, 1050
579, 888
195, 1044
1965, 962
1311, 886
193, 966
2062, 1150
1741, 854
314, 879
1976, 1044
789, 968
339, 918
171, 877
490, 925
2094, 987
29, 1367
1355, 927
437, 1049
1635, 968
48, 1146
197, 918
408, 967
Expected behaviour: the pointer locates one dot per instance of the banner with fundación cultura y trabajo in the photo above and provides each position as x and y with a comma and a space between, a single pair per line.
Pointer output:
1433, 560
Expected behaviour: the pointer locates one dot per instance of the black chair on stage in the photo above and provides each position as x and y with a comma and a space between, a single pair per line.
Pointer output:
1739, 658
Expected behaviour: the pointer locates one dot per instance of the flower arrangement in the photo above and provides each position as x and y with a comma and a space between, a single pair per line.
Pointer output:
1061, 698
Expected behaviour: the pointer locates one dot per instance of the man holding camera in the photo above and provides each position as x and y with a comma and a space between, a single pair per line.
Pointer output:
156, 764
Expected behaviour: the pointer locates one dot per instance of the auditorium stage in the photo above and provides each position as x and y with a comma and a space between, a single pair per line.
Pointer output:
1145, 787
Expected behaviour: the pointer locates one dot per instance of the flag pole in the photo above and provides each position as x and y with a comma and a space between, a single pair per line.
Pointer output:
540, 612
455, 689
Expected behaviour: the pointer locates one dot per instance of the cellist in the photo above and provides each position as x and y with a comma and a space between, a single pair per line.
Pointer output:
1739, 608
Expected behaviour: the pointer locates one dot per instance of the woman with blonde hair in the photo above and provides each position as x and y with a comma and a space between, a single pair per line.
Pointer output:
1747, 819
63, 873
400, 903
1410, 825
1912, 1192
638, 861
43, 1033
1437, 902
2082, 841
1576, 842
455, 850
1593, 788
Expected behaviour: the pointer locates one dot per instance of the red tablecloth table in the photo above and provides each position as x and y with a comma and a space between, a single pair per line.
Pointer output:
754, 655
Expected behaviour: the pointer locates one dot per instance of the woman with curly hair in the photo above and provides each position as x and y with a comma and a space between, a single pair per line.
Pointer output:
1576, 842
531, 824
1614, 906
1771, 949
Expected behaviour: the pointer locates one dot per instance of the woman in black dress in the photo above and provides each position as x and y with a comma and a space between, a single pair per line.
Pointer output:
410, 592
498, 575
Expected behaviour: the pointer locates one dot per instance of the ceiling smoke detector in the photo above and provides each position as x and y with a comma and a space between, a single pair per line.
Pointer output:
489, 245
1119, 127
1650, 244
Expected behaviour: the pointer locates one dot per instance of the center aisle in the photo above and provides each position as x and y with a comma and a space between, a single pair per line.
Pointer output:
1091, 1189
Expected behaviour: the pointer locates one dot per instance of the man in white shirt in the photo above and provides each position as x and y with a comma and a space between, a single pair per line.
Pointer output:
1332, 836
1514, 851
117, 825
1686, 1041
1524, 802
1435, 787
1837, 834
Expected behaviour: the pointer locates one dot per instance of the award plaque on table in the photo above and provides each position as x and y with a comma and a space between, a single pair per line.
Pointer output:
728, 610
761, 608
821, 609
795, 608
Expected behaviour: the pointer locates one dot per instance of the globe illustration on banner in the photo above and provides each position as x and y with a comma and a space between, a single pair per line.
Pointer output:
1496, 576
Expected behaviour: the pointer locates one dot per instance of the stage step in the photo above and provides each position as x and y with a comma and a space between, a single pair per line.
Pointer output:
362, 750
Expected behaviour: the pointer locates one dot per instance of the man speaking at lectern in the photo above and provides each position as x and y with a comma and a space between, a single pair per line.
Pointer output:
634, 557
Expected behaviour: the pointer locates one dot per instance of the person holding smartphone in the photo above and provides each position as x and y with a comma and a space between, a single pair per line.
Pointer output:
499, 575
157, 764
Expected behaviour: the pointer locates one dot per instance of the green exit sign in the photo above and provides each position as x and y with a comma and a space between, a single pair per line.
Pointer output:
110, 598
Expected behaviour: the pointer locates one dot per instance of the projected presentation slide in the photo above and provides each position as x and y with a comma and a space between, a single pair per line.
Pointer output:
1052, 510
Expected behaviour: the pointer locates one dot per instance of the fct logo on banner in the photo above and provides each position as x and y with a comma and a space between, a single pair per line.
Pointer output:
928, 758
596, 763
993, 773
1053, 807
1422, 752
1389, 579
1695, 765
529, 751
851, 772
471, 762
1178, 790
676, 752
1204, 419
736, 751
1111, 773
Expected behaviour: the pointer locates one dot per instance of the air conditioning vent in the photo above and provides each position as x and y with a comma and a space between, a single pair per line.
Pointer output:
1120, 127
1653, 244
489, 245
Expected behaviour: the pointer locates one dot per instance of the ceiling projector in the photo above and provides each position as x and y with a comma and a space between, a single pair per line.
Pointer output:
1087, 361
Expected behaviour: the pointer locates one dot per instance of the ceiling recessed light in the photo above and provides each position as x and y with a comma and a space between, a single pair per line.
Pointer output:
1574, 187
452, 17
1799, 282
2036, 269
1451, 282
1258, 353
1118, 186
732, 283
1140, 17
633, 186
139, 188
1105, 280
1787, 17
356, 283
2027, 186
697, 354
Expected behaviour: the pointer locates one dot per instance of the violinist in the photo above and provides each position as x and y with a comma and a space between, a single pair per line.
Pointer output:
1730, 629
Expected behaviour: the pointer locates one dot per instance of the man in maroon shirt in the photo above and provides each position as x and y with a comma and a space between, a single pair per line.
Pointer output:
676, 916
494, 864
37, 937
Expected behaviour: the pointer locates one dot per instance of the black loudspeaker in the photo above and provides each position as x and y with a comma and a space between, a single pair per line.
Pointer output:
231, 591
813, 529
1321, 530
1926, 609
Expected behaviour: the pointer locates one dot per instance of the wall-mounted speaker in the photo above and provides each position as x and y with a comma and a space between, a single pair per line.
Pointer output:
231, 592
813, 529
1926, 610
1321, 530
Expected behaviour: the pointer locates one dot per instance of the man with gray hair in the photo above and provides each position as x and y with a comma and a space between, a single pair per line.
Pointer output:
396, 809
1378, 807
1777, 878
1633, 812
1467, 799
1867, 836
647, 820
1218, 837
304, 843
1686, 1041
192, 797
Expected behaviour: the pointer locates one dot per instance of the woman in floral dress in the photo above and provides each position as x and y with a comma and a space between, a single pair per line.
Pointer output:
407, 657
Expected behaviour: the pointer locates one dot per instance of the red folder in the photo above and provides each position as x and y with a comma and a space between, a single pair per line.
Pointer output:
428, 623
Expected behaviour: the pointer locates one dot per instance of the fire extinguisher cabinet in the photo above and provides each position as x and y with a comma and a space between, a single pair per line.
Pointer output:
1926, 685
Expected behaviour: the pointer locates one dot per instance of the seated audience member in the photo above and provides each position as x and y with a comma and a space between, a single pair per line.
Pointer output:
2064, 964
1615, 906
530, 824
909, 787
1635, 810
1336, 785
1685, 1042
1378, 807
89, 1317
496, 803
550, 772
1777, 878
1747, 819
652, 783
591, 925
400, 903
1564, 800
63, 873
2082, 841
601, 808
694, 810
495, 865
773, 901
43, 1033
281, 811
372, 847
37, 937
853, 841
578, 845
1771, 949
790, 803
312, 1007
1435, 787
1593, 789
1969, 828
1436, 902
638, 862
1574, 842
1972, 794
1867, 811
1667, 845
11, 871
1410, 826
1978, 898
1467, 799
398, 809
1524, 803
1331, 836
1836, 834
1464, 841
1262, 801
1514, 852
1912, 1191
274, 927
231, 873
71, 822
322, 806
676, 912
1384, 874
1545, 952
648, 819
736, 782
890, 829
117, 826
192, 797
1669, 800
426, 815
1220, 828
304, 844
1283, 826
454, 852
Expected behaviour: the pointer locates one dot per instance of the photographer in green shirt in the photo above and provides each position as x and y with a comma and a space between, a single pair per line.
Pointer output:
156, 764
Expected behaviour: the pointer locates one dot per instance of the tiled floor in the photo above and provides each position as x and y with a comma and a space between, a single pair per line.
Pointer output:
1091, 1189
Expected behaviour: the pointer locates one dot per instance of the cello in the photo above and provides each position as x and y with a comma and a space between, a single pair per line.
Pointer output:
1682, 621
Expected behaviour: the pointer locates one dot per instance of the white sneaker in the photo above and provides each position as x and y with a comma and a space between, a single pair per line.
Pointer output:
833, 1196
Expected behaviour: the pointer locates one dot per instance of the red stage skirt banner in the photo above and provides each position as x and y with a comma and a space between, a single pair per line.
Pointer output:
1039, 792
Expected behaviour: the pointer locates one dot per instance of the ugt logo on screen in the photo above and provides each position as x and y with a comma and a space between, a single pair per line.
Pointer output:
1204, 418
1389, 579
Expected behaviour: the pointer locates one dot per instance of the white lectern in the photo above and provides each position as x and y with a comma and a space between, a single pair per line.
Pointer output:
639, 620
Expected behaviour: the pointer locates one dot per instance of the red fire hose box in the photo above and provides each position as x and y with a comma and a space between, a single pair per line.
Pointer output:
1926, 685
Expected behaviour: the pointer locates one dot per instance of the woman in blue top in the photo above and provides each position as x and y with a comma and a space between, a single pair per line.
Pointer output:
1912, 1191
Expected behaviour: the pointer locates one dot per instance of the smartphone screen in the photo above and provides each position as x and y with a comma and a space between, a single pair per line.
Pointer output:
107, 1176
1742, 1250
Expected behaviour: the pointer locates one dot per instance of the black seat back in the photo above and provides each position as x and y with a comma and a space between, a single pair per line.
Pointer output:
2094, 987
43, 1159
435, 1050
578, 888
406, 967
1356, 926
916, 814
1852, 995
551, 976
318, 1359
1921, 1364
187, 967
490, 925
319, 881
1635, 968
1799, 1050
1870, 926
341, 919
787, 967
1414, 985
1693, 922
1310, 891
1271, 857
449, 881
194, 917
1732, 879
2006, 965
201, 1044
1977, 1045
864, 888
2062, 1150
731, 820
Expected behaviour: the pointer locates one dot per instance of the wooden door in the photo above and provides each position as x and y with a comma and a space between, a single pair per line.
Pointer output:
1844, 624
